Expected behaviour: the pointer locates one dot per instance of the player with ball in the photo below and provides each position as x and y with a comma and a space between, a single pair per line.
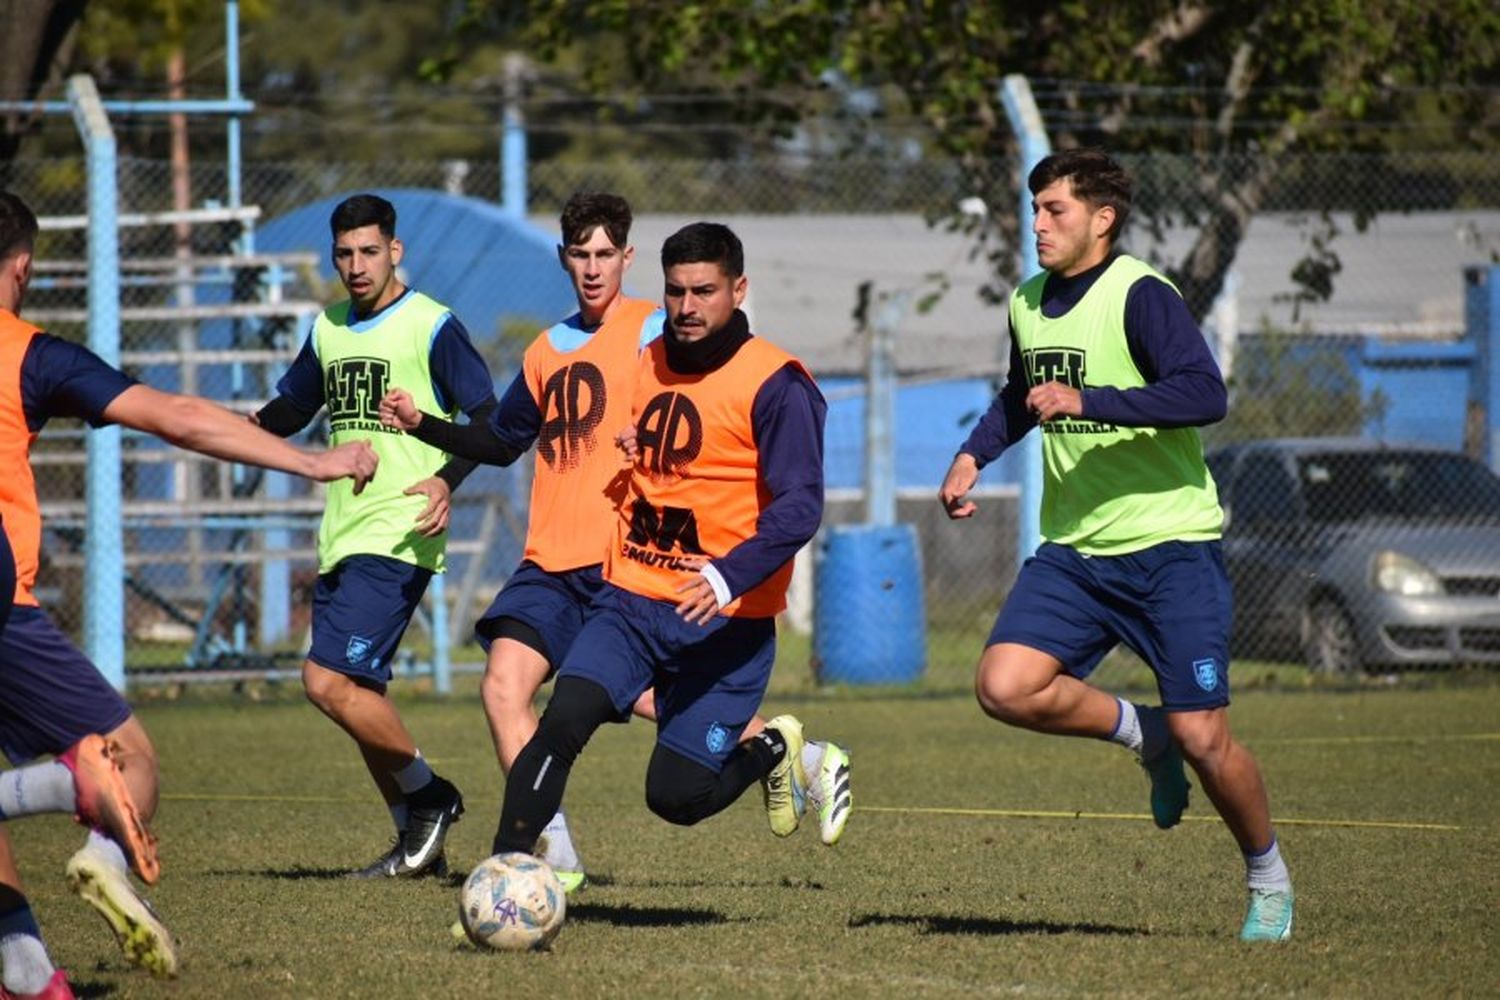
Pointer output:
726, 485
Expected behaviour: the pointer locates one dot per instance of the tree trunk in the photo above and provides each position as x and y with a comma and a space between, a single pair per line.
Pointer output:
34, 33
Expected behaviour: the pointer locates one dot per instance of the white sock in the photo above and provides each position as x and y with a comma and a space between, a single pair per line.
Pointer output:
399, 815
1128, 729
37, 788
560, 852
414, 775
1267, 870
28, 969
103, 845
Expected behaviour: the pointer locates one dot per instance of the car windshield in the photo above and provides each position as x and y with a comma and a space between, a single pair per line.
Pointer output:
1350, 486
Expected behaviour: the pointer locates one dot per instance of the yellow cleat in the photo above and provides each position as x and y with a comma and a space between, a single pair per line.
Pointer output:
143, 938
785, 786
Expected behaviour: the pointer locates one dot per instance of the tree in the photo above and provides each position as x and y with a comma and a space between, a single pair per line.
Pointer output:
1290, 386
34, 44
1214, 78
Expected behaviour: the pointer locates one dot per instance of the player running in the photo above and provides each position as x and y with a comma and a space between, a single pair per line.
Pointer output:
377, 551
53, 701
1107, 359
726, 485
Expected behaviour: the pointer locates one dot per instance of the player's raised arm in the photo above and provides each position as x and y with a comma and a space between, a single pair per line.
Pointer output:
199, 425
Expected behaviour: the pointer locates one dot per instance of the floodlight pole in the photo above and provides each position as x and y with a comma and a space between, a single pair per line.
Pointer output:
1031, 134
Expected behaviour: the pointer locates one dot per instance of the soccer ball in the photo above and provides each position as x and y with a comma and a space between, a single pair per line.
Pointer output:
512, 902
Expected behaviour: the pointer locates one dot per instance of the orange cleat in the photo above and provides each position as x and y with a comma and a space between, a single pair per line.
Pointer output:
104, 802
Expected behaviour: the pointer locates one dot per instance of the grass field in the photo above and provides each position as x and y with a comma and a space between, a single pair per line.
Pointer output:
981, 861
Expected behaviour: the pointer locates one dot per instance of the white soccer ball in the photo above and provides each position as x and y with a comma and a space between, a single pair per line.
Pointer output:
512, 902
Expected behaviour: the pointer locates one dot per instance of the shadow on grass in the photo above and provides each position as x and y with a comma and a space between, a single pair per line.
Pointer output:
643, 916
783, 882
453, 879
85, 989
300, 873
987, 926
303, 873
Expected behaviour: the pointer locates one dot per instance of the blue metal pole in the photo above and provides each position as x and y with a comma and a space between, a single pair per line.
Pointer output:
1026, 122
104, 547
232, 95
880, 414
1482, 320
237, 106
442, 667
512, 162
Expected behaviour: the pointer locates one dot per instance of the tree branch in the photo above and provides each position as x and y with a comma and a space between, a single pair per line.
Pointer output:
1184, 22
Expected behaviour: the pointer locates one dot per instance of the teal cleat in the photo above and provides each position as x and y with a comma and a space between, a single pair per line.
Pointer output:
1270, 915
785, 786
1169, 786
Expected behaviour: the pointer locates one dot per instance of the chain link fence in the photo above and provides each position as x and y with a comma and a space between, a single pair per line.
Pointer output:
1345, 317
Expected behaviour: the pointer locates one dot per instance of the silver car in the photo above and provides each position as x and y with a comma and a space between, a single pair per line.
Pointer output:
1354, 553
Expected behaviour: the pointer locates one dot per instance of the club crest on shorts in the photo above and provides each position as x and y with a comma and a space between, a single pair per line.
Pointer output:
717, 738
1206, 673
358, 649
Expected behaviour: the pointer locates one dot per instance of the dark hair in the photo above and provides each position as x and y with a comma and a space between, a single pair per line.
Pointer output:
707, 243
1097, 181
361, 210
587, 210
17, 226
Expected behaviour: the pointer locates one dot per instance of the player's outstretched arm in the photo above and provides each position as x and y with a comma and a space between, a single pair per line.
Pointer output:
199, 425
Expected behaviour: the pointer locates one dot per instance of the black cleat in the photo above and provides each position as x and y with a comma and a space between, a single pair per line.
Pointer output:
391, 865
431, 811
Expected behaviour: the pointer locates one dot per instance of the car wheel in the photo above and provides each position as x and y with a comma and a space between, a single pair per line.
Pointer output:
1331, 646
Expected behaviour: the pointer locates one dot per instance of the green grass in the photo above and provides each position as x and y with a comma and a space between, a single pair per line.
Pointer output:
1054, 884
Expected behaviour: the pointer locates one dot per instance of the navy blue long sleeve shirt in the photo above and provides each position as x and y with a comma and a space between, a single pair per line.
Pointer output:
1183, 385
787, 419
460, 378
63, 379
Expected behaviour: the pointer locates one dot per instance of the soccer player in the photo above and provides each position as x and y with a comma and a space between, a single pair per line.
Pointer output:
1107, 359
377, 551
574, 387
726, 485
53, 701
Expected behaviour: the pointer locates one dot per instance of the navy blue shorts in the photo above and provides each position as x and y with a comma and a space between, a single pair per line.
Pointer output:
360, 611
1170, 603
709, 679
7, 575
51, 696
554, 604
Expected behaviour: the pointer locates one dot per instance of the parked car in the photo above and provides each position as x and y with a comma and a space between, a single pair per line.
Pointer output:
1357, 553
